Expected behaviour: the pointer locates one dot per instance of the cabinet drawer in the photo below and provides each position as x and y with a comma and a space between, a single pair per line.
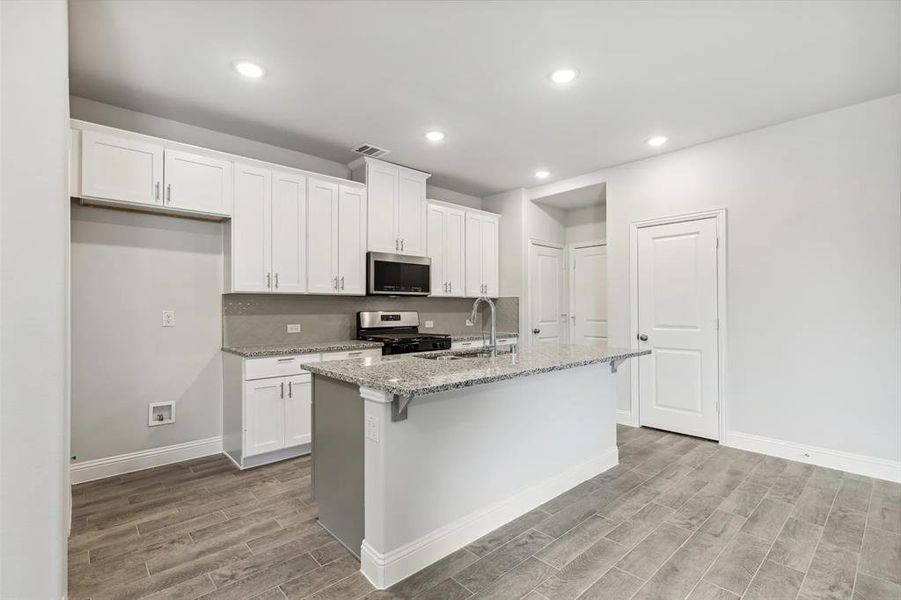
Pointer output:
369, 352
507, 341
277, 366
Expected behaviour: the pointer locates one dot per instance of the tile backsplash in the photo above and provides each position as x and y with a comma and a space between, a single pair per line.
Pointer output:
252, 319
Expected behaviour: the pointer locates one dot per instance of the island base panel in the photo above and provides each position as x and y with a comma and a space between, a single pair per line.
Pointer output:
338, 459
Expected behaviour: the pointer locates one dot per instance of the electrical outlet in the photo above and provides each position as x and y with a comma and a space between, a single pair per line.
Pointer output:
429, 324
160, 413
372, 428
168, 318
469, 323
294, 328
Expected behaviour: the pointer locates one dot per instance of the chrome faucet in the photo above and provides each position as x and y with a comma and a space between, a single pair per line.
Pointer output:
492, 342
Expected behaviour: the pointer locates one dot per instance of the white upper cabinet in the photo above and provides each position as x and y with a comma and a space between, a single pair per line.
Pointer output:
139, 171
411, 213
121, 168
196, 182
481, 254
322, 237
397, 208
337, 238
446, 234
251, 230
351, 240
289, 232
382, 181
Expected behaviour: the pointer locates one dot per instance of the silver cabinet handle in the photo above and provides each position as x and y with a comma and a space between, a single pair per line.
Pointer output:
336, 283
169, 193
156, 194
283, 389
357, 353
269, 280
290, 389
401, 244
342, 283
276, 281
397, 243
289, 359
450, 287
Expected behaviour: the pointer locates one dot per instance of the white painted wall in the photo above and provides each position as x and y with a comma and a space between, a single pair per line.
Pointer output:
113, 116
586, 224
34, 233
126, 269
436, 193
814, 270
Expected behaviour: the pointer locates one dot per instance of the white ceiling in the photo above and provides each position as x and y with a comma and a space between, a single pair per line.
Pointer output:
343, 73
590, 195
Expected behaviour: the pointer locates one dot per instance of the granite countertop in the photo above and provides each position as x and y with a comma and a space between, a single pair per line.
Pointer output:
299, 348
465, 337
410, 375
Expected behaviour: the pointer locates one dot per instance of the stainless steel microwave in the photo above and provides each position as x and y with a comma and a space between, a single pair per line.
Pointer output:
398, 274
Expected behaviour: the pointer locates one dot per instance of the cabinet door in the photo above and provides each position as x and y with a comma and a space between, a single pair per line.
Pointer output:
474, 279
352, 240
198, 183
455, 251
264, 415
490, 255
381, 188
289, 232
436, 245
252, 230
298, 404
322, 237
119, 168
411, 214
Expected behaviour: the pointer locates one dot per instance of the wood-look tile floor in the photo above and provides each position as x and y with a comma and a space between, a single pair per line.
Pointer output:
679, 518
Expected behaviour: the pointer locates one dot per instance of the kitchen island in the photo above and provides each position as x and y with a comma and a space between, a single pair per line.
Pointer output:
415, 456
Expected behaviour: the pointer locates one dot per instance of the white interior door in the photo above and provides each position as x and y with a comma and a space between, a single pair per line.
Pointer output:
289, 232
589, 295
252, 230
322, 236
677, 318
351, 240
546, 293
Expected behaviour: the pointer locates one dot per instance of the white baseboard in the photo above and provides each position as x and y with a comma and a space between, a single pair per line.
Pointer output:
384, 570
879, 468
624, 417
100, 468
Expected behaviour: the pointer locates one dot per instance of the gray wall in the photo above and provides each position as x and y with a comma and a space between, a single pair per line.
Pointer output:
253, 319
126, 269
34, 232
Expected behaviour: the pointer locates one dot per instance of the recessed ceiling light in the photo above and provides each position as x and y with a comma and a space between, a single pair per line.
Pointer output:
435, 136
564, 75
542, 174
657, 141
249, 69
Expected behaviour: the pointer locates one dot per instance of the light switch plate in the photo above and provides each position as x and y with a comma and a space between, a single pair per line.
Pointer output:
168, 318
429, 324
294, 328
372, 428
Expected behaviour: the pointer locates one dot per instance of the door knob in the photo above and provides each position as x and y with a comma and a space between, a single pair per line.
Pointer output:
536, 331
642, 337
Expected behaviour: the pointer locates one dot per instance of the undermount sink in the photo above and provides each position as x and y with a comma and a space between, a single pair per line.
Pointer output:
464, 355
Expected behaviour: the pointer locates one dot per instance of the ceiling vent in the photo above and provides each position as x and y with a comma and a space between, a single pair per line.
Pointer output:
371, 151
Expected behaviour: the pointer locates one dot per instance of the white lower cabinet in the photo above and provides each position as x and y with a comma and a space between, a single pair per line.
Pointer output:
267, 405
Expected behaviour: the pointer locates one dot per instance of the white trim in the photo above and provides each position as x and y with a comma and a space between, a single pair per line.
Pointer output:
384, 570
624, 417
860, 464
721, 264
100, 468
568, 260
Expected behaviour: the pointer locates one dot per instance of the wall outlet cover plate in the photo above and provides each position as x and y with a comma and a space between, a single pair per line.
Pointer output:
294, 328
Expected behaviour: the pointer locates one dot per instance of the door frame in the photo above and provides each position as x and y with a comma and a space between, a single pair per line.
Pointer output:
570, 284
721, 274
528, 290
